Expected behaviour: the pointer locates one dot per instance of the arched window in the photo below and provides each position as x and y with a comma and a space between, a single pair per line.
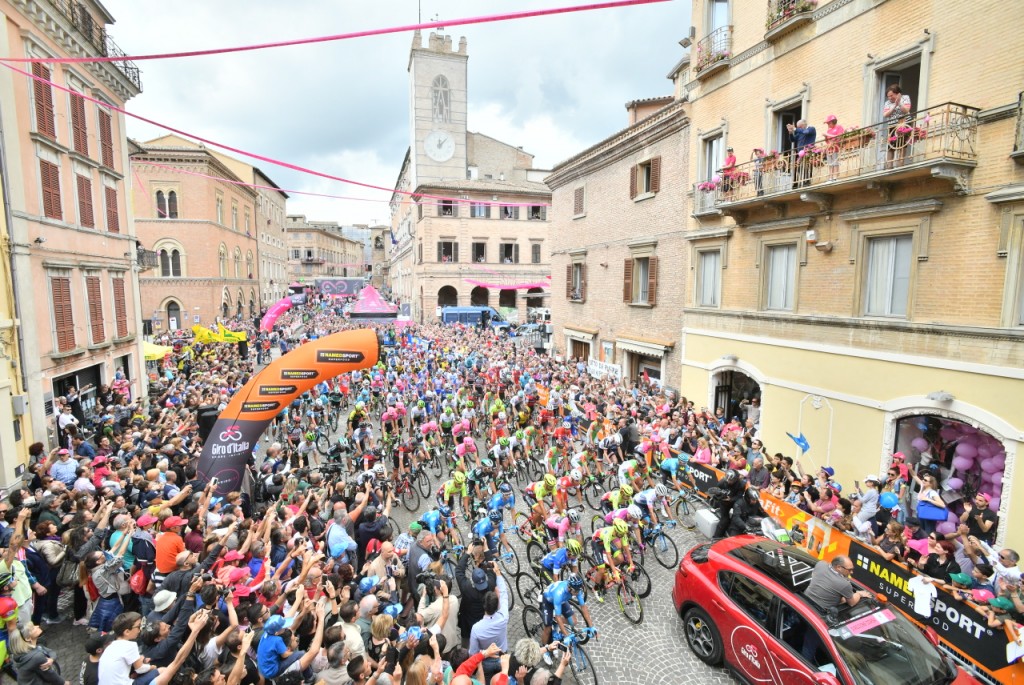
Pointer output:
442, 100
165, 263
238, 263
161, 205
249, 265
223, 258
224, 309
172, 205
176, 263
234, 216
220, 210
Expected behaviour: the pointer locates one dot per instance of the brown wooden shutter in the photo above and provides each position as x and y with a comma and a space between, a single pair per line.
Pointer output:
515, 253
632, 182
655, 174
79, 132
577, 201
43, 95
627, 281
95, 296
583, 282
113, 222
50, 176
63, 319
568, 281
120, 308
455, 252
106, 140
85, 201
652, 281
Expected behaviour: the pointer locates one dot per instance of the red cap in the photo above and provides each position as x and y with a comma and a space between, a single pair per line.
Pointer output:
147, 520
174, 522
233, 555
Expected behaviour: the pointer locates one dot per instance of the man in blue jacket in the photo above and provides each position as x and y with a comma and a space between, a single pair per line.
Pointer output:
802, 136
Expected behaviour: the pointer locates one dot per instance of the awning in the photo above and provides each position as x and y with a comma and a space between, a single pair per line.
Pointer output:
648, 348
153, 352
585, 334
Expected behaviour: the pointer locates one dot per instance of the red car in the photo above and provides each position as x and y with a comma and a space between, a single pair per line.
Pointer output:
741, 601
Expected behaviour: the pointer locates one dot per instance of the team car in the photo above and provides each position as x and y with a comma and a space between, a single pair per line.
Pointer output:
741, 602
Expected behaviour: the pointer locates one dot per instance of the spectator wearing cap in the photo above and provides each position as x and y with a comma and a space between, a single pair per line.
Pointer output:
492, 629
64, 468
166, 626
406, 540
169, 544
144, 549
980, 519
832, 135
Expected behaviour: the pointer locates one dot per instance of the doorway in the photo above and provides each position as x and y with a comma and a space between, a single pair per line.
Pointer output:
907, 75
579, 349
479, 297
173, 316
732, 387
783, 118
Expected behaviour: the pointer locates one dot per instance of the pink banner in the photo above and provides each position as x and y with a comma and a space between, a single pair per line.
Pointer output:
276, 310
511, 286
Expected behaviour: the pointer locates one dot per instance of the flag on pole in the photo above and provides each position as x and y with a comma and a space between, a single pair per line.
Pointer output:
800, 441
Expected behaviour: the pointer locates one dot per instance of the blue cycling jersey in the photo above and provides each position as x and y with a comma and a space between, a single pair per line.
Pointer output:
488, 531
670, 465
555, 561
500, 500
432, 520
558, 594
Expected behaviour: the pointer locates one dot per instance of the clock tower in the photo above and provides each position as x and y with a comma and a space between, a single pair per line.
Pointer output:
437, 109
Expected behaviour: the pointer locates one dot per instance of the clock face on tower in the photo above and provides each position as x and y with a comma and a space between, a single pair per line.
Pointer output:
439, 146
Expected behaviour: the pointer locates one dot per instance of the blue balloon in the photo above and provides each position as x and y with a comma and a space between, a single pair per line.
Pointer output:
923, 425
888, 500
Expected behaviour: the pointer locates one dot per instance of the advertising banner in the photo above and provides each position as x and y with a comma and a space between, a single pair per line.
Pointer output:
599, 369
229, 446
340, 286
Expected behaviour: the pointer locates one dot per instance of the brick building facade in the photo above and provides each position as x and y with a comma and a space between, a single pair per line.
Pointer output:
318, 249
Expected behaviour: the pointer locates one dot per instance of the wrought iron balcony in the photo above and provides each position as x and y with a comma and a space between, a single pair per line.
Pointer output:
313, 260
940, 142
147, 259
786, 15
713, 52
96, 35
1018, 138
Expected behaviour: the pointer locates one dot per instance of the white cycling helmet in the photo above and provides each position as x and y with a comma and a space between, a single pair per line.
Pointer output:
379, 469
660, 490
576, 475
634, 512
574, 516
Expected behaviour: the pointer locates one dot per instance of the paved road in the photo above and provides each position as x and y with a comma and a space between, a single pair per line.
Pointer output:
652, 653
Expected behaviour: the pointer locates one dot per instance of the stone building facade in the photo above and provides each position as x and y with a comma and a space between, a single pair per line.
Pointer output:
318, 249
617, 242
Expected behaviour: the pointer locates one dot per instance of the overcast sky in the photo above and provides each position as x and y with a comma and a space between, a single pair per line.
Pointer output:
554, 85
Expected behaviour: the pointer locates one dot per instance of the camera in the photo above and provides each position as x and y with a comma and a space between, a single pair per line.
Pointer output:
207, 577
430, 581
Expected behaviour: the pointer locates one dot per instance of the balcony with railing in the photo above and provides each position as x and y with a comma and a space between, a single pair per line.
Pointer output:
713, 52
96, 35
939, 142
310, 259
786, 15
147, 259
1018, 137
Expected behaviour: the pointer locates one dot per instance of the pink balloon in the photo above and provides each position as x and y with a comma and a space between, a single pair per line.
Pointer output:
952, 518
955, 483
948, 433
997, 489
966, 449
919, 444
994, 503
962, 463
1000, 461
985, 451
990, 466
986, 477
946, 528
967, 430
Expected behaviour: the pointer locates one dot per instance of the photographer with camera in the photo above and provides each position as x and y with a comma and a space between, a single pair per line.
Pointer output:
370, 527
438, 609
474, 583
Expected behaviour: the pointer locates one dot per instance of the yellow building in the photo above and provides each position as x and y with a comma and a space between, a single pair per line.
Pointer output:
870, 289
318, 249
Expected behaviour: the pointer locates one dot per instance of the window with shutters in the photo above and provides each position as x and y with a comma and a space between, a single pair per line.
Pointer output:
447, 251
447, 208
576, 282
120, 308
106, 140
640, 276
79, 131
479, 253
645, 179
709, 274
579, 206
538, 213
43, 95
94, 295
50, 176
478, 210
509, 213
535, 253
63, 318
508, 253
113, 218
85, 213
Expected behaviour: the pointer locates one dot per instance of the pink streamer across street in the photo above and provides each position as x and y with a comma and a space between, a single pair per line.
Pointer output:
500, 286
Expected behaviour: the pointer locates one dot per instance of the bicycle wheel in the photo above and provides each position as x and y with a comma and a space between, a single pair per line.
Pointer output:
686, 513
529, 589
582, 667
323, 444
410, 498
523, 528
533, 622
535, 551
334, 421
436, 467
665, 550
509, 565
629, 603
592, 493
641, 581
597, 521
423, 483
535, 470
578, 611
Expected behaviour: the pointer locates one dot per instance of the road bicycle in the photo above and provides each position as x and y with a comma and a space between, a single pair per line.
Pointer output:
627, 594
664, 548
686, 502
582, 667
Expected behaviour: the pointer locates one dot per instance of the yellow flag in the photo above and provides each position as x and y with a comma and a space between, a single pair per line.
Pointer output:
230, 336
204, 335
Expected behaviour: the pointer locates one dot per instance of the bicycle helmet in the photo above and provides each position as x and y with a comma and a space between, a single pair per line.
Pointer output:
379, 469
574, 548
311, 436
504, 442
620, 527
633, 511
502, 415
476, 474
626, 491
574, 516
550, 480
421, 404
505, 488
459, 477
470, 404
660, 490
6, 579
444, 511
520, 435
576, 475
360, 406
495, 516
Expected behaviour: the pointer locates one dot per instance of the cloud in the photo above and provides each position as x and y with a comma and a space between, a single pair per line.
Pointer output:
553, 85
